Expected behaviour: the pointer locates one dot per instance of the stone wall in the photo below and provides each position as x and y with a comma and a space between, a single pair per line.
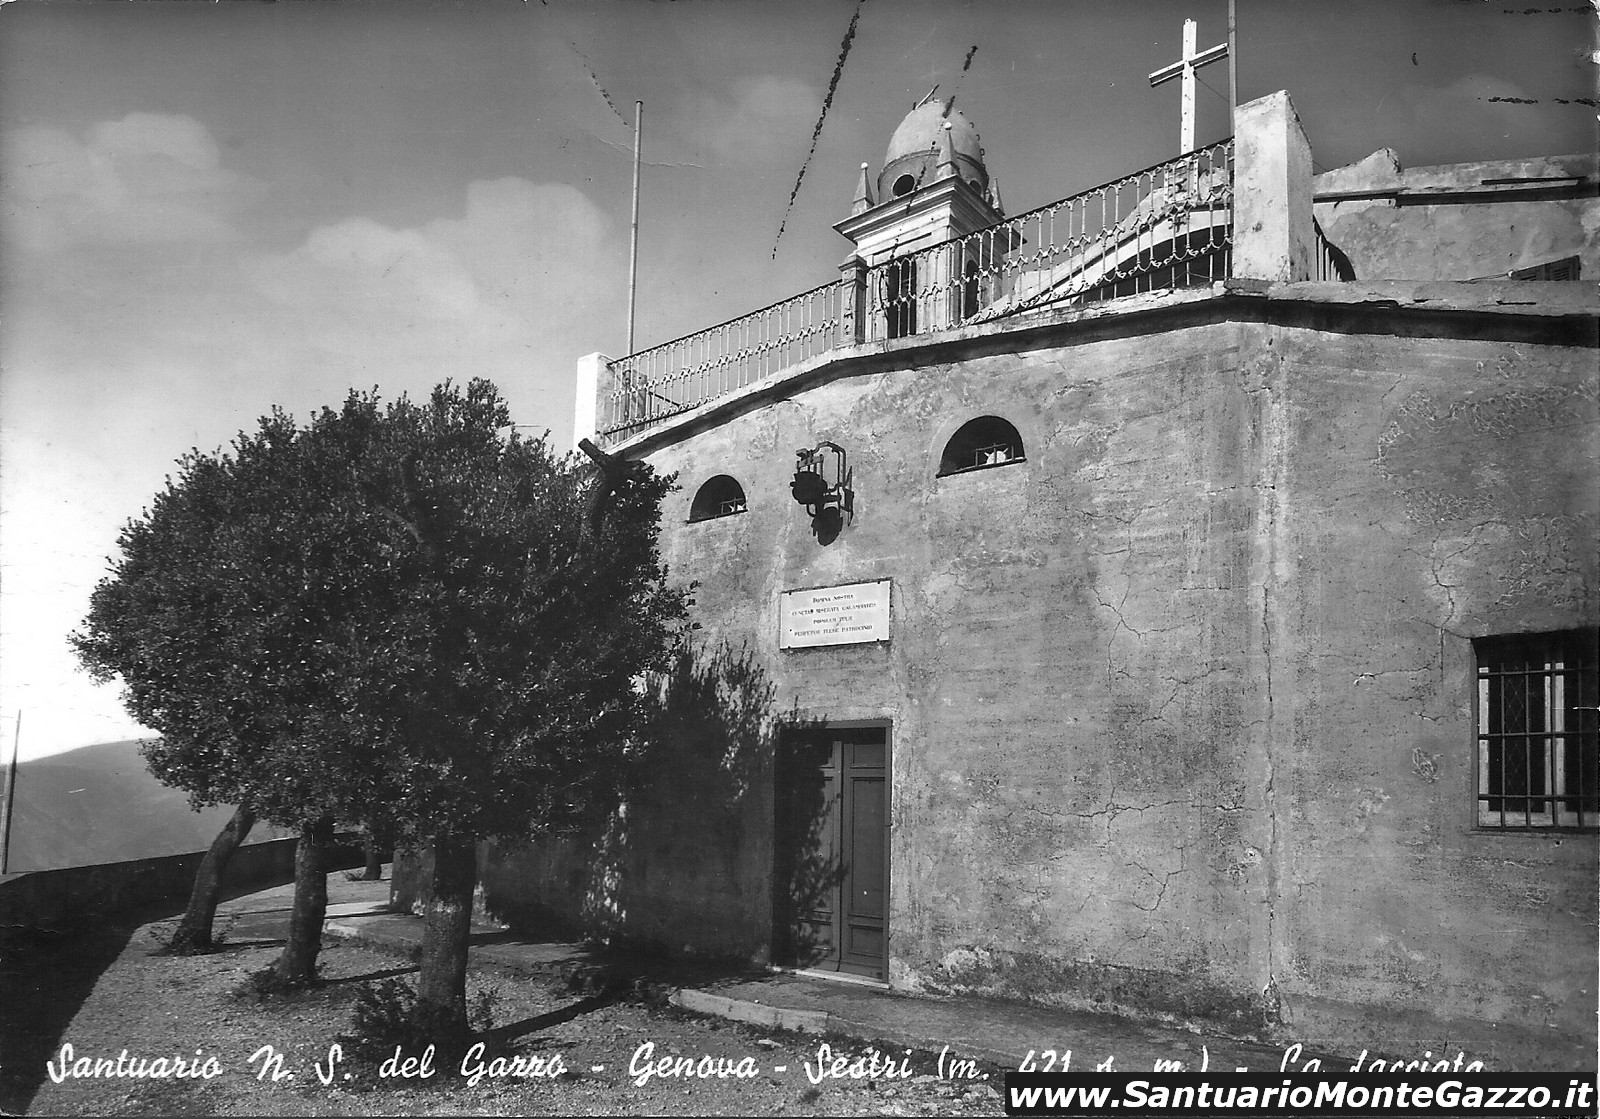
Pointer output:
1461, 221
54, 899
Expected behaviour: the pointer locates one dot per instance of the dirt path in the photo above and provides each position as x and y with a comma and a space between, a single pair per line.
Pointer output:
585, 1056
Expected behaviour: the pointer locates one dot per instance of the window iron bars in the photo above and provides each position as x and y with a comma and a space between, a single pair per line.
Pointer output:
1538, 747
993, 455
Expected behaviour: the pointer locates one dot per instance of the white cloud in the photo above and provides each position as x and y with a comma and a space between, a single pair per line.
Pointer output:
179, 139
149, 177
541, 240
364, 268
523, 257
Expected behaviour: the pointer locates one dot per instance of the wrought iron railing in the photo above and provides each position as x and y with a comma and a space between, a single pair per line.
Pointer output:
653, 384
1168, 226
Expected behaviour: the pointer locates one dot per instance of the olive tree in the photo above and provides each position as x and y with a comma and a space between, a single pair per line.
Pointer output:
509, 695
400, 610
232, 616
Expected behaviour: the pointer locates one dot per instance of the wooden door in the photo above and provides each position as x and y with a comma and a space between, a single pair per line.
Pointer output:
832, 884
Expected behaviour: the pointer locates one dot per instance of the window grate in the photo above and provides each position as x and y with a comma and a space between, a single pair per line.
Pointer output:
984, 441
720, 496
994, 454
1538, 745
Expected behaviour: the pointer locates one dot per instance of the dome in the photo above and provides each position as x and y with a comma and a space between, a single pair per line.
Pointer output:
914, 150
919, 132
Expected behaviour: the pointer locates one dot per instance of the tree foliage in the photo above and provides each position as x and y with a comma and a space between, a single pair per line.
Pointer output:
501, 673
221, 619
399, 609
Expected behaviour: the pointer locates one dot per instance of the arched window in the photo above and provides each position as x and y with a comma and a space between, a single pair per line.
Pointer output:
721, 496
985, 441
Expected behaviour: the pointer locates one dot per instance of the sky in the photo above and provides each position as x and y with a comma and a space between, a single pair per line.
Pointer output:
208, 209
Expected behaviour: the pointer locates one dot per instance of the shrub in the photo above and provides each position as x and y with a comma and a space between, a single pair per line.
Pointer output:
266, 984
382, 1018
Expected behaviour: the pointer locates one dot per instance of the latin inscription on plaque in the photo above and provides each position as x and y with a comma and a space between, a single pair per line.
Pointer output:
845, 615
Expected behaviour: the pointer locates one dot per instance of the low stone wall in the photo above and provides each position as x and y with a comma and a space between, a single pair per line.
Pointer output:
48, 899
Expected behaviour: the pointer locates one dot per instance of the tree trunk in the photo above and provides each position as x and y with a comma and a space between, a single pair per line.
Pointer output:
194, 931
441, 1011
298, 964
375, 859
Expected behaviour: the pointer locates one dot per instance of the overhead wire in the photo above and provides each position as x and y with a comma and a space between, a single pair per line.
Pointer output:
816, 132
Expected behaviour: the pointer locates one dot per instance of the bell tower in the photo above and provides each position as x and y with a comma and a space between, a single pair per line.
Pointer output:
933, 190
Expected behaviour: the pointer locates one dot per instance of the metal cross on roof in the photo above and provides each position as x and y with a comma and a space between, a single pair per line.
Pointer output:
1185, 68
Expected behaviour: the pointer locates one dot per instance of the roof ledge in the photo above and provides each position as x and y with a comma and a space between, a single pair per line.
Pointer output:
1552, 312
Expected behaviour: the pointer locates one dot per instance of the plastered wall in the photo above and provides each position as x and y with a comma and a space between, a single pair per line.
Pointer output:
1183, 704
1452, 223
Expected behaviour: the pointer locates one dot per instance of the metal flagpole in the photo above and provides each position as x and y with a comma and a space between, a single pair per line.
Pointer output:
1233, 74
633, 251
11, 792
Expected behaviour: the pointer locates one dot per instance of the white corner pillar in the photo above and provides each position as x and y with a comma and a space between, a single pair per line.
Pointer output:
852, 300
594, 378
1273, 238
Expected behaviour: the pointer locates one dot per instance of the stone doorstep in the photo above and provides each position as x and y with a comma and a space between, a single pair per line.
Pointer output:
824, 1022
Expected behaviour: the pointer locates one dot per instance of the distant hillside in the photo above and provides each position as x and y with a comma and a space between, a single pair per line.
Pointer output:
99, 804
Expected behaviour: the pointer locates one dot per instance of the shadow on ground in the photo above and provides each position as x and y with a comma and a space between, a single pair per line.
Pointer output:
511, 1031
45, 976
371, 976
44, 979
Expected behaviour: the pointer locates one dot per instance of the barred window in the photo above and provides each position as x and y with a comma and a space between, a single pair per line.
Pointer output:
1538, 747
985, 441
721, 496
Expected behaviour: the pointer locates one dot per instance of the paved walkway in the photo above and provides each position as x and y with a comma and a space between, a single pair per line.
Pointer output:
1006, 1033
360, 911
1003, 1032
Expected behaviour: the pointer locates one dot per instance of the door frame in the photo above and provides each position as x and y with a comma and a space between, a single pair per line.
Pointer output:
783, 924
